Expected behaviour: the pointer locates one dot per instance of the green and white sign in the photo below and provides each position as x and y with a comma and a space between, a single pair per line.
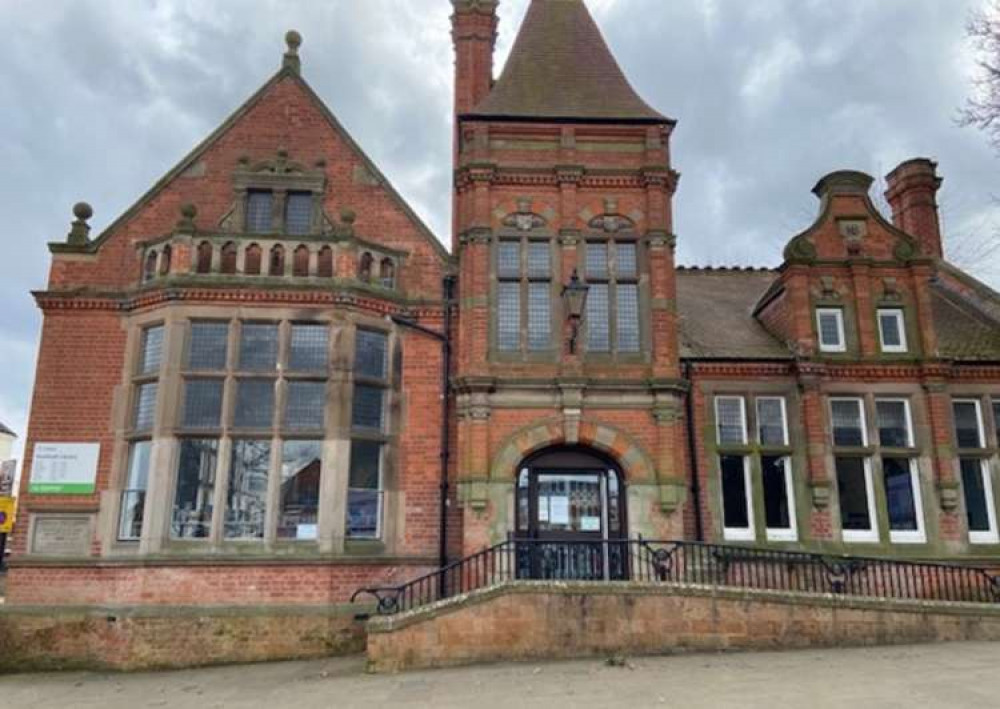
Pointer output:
64, 468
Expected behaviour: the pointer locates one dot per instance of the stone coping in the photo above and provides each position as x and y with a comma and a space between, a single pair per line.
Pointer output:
388, 624
330, 610
179, 559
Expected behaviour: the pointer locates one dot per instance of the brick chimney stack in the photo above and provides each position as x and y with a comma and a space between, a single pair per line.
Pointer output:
474, 33
912, 194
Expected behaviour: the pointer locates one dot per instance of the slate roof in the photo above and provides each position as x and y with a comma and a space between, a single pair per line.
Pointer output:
716, 314
561, 67
965, 332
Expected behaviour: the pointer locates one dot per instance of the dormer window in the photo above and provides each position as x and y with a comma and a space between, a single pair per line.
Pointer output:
830, 326
260, 207
387, 273
892, 330
365, 267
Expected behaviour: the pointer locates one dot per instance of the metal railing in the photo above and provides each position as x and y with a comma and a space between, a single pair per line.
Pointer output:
716, 565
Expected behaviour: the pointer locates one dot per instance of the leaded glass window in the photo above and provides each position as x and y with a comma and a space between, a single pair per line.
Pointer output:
195, 491
848, 422
202, 403
298, 500
298, 213
367, 411
254, 403
613, 305
305, 405
364, 492
260, 210
371, 349
145, 406
207, 346
309, 348
771, 425
258, 347
893, 423
524, 300
152, 350
830, 323
730, 420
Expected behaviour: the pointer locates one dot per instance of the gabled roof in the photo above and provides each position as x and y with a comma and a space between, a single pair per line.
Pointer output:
5, 431
716, 307
561, 67
283, 74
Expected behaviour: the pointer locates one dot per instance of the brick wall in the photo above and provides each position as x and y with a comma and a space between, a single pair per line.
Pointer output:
219, 584
172, 637
544, 620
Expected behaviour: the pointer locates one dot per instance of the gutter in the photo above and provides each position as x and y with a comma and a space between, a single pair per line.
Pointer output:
699, 524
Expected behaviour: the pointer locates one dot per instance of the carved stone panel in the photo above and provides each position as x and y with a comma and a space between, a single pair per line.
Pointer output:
61, 534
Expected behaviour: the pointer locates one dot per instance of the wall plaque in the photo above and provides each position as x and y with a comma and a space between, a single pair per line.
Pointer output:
60, 534
64, 468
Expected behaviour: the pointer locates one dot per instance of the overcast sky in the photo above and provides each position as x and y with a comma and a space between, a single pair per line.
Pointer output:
98, 98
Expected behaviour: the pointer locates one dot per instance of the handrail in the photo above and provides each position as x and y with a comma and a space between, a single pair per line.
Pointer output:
682, 561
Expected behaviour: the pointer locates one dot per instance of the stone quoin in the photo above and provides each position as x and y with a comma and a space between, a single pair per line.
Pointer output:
258, 346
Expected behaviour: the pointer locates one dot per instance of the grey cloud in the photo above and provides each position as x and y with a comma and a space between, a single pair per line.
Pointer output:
98, 99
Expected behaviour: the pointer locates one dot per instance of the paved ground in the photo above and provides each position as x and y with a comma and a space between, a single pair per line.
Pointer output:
957, 675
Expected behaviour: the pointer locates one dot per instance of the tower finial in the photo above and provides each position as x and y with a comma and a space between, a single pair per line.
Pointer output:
291, 60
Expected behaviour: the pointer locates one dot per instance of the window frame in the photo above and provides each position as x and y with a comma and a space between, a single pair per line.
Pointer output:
899, 315
778, 534
977, 454
838, 314
738, 534
614, 279
784, 420
863, 421
862, 536
908, 417
743, 420
907, 536
524, 280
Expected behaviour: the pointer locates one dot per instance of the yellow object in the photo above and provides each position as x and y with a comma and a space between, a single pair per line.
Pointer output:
7, 505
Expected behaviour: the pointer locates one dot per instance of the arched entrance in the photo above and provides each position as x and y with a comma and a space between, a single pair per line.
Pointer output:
571, 510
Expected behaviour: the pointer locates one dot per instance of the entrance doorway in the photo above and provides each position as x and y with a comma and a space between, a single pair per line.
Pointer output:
571, 516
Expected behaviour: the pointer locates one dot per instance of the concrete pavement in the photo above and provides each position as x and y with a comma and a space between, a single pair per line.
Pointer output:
949, 675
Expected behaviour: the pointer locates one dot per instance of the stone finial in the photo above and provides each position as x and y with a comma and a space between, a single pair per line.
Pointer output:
79, 233
186, 225
291, 60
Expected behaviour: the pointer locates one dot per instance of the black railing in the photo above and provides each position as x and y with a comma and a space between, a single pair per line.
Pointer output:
690, 563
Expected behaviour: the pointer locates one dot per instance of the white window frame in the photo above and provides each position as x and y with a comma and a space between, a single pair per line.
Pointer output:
784, 416
743, 419
792, 533
738, 534
992, 535
910, 440
838, 313
979, 419
919, 535
861, 409
870, 535
900, 317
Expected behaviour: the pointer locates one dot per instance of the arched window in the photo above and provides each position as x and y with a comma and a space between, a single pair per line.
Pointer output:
324, 265
277, 264
149, 270
251, 260
387, 273
204, 262
365, 267
228, 260
165, 260
300, 262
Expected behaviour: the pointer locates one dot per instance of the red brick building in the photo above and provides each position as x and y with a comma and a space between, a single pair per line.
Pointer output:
242, 395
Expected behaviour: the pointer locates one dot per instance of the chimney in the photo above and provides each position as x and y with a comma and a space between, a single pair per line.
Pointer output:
912, 194
474, 32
